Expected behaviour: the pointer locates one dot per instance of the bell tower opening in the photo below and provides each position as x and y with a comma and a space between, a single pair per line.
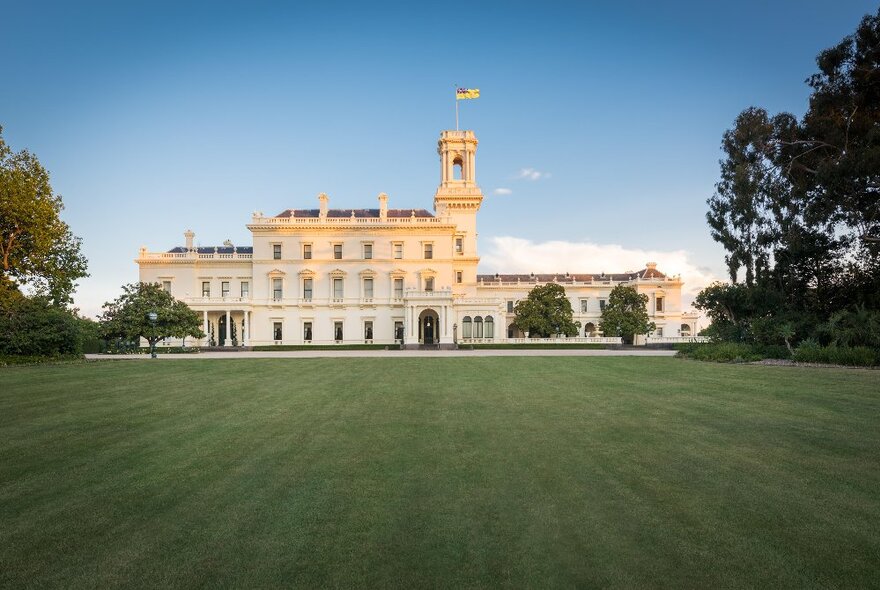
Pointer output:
456, 168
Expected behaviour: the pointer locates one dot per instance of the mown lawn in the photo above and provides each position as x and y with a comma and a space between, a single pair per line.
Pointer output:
458, 472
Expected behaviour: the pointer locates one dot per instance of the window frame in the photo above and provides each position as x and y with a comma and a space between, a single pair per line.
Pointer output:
337, 251
276, 251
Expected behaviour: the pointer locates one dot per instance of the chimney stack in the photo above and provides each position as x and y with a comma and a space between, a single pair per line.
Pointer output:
383, 206
189, 235
323, 198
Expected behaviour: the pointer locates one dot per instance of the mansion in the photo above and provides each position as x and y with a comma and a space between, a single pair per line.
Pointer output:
383, 276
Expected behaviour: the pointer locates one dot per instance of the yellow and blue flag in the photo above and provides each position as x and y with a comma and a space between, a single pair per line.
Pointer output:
466, 93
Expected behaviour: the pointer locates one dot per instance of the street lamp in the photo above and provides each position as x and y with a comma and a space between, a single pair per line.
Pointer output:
153, 317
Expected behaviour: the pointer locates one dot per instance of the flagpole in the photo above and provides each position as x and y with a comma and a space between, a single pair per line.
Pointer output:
456, 106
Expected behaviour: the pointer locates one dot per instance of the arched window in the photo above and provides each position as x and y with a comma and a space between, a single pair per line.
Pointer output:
490, 327
685, 330
456, 168
466, 327
589, 329
478, 327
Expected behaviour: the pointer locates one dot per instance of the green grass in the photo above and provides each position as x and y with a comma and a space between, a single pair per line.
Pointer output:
456, 472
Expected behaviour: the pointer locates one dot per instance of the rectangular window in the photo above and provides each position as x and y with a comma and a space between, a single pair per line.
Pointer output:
307, 289
429, 251
245, 289
659, 304
368, 330
510, 307
368, 288
398, 331
276, 251
276, 331
398, 288
224, 289
337, 289
398, 250
307, 251
276, 289
459, 245
166, 286
458, 276
206, 289
337, 331
368, 251
601, 305
429, 284
307, 331
584, 303
337, 251
659, 332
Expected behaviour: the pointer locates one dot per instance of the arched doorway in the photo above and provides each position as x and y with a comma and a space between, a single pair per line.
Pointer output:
429, 327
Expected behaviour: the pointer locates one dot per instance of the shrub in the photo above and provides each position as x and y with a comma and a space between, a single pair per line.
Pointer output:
35, 327
811, 351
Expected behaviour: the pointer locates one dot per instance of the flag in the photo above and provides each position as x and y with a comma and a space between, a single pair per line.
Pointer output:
465, 93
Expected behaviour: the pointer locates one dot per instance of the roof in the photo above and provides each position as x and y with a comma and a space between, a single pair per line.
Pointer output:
367, 213
564, 277
212, 249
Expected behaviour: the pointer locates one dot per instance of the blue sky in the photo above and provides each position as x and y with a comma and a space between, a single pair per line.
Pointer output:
155, 117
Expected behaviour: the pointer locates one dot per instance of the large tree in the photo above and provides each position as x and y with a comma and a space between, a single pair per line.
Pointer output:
546, 311
127, 316
626, 314
37, 249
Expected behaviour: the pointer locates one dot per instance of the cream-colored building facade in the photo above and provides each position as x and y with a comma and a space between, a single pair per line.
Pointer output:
382, 276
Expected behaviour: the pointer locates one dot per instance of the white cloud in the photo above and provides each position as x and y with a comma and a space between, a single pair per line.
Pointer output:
515, 255
532, 174
502, 191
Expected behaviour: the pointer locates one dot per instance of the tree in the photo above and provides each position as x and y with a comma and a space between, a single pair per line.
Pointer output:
626, 314
545, 312
127, 316
36, 248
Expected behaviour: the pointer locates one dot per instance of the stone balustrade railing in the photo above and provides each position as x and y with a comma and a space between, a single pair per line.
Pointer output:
193, 255
287, 221
674, 339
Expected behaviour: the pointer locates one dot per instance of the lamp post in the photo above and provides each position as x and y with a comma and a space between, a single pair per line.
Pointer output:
153, 317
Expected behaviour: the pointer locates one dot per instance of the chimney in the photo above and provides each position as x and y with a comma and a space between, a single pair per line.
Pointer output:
323, 198
383, 206
651, 265
189, 235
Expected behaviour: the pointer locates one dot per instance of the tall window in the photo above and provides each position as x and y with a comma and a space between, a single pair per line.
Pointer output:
307, 289
206, 288
276, 289
659, 305
685, 330
307, 251
337, 289
429, 284
307, 331
368, 251
398, 250
245, 289
429, 251
337, 251
368, 288
478, 327
398, 331
337, 331
459, 245
224, 289
601, 305
458, 276
510, 307
166, 286
368, 330
489, 327
584, 303
276, 330
466, 327
276, 251
398, 288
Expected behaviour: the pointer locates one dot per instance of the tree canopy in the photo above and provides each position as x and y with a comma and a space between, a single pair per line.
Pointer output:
546, 311
626, 314
797, 207
126, 317
37, 248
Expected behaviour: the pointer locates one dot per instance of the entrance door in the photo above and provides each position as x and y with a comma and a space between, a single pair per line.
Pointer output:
221, 330
429, 330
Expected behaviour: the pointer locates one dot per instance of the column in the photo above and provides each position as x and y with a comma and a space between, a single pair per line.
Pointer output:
245, 331
205, 326
228, 328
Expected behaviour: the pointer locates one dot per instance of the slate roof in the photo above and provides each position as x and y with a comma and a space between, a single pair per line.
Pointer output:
367, 213
210, 250
646, 273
